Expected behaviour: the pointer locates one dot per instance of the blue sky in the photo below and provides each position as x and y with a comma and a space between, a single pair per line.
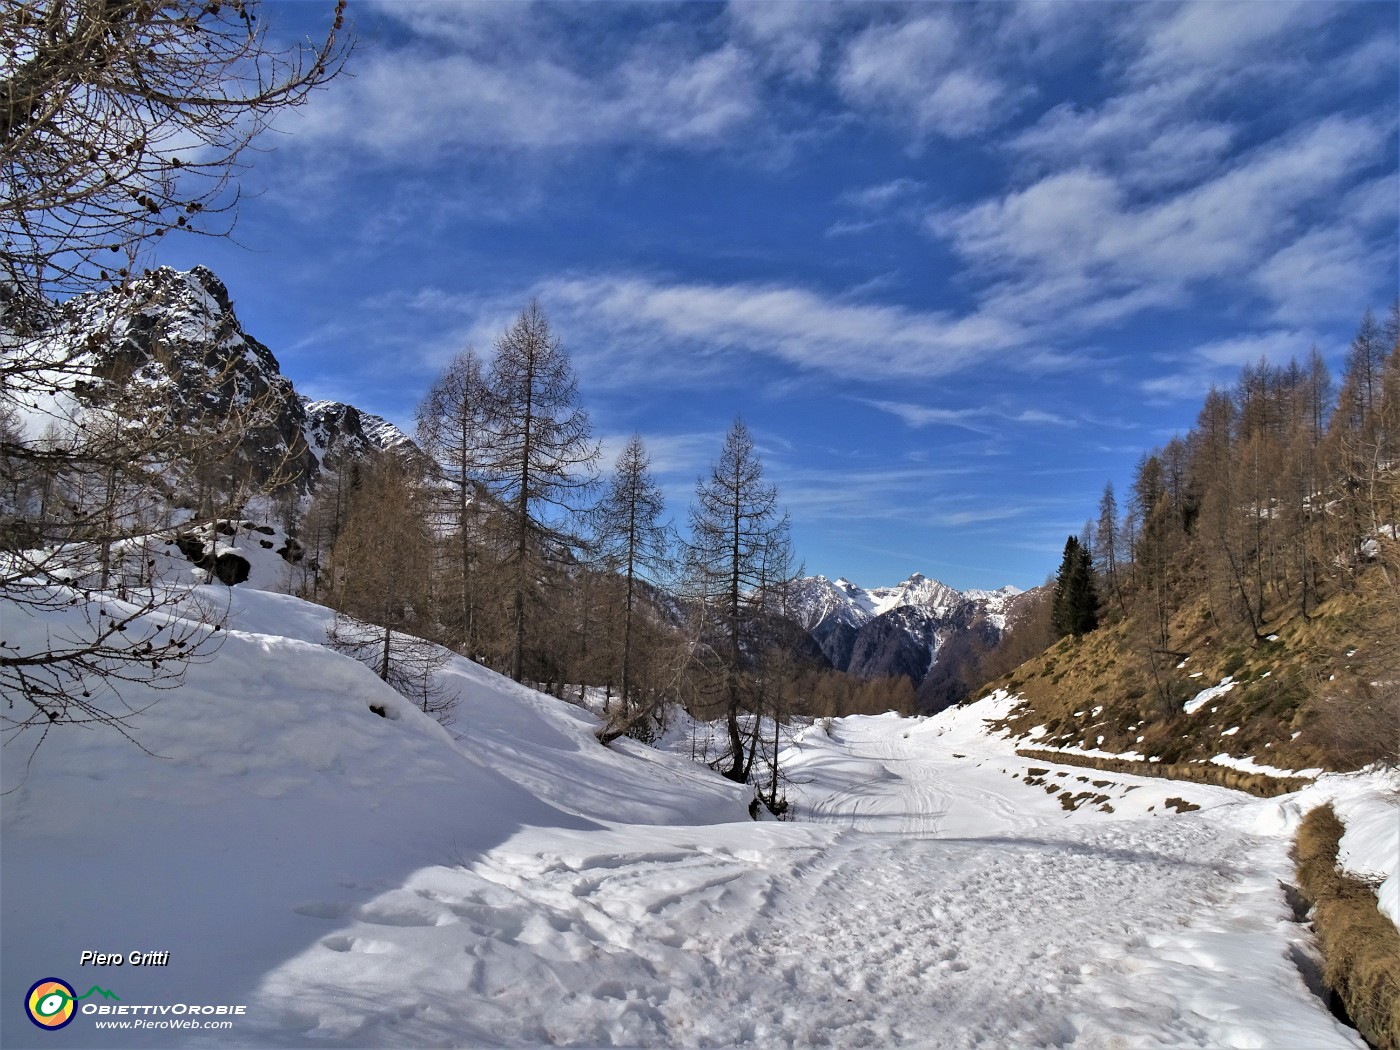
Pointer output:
955, 265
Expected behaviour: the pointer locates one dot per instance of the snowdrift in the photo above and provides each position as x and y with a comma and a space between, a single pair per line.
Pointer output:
264, 786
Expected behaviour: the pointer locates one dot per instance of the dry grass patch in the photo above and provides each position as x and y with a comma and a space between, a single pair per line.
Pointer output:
1303, 696
1360, 946
1181, 805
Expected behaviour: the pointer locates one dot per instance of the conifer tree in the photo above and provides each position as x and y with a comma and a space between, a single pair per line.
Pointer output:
1076, 602
1357, 442
381, 566
633, 539
1106, 541
454, 429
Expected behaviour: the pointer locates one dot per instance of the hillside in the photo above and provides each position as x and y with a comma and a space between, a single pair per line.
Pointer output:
1245, 608
528, 728
1287, 701
266, 785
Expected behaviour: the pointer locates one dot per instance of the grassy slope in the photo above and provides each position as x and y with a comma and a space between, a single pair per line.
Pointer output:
1360, 946
1100, 691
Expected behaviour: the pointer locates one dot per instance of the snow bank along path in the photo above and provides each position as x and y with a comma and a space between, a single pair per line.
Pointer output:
377, 882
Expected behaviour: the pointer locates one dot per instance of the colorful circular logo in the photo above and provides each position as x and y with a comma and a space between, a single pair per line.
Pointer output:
50, 1003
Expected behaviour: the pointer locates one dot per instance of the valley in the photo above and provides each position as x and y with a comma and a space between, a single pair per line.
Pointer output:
439, 442
516, 884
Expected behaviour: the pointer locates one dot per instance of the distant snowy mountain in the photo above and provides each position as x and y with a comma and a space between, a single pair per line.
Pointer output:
847, 602
906, 629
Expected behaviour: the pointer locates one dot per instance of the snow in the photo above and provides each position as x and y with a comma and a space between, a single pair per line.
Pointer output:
841, 600
1249, 765
1205, 696
355, 880
917, 590
1244, 763
1371, 846
995, 602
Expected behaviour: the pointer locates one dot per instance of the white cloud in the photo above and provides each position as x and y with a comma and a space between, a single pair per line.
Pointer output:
1080, 243
1218, 362
790, 324
889, 493
920, 73
626, 330
1371, 61
1143, 136
882, 195
1276, 347
791, 38
880, 205
1218, 37
464, 23
979, 420
843, 227
1140, 200
677, 456
1374, 204
918, 416
982, 515
413, 103
1319, 275
1041, 29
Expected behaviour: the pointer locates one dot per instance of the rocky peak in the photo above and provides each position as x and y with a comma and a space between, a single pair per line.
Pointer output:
179, 329
337, 432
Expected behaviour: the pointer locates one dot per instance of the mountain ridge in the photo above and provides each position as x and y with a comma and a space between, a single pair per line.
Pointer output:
906, 629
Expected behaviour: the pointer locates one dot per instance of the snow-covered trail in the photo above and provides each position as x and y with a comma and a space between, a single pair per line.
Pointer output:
930, 901
893, 784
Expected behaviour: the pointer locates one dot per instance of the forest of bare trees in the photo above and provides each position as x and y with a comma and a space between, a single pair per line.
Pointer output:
1282, 491
1281, 499
499, 538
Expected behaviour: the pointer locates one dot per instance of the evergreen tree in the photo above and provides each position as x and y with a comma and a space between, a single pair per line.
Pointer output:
1076, 602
